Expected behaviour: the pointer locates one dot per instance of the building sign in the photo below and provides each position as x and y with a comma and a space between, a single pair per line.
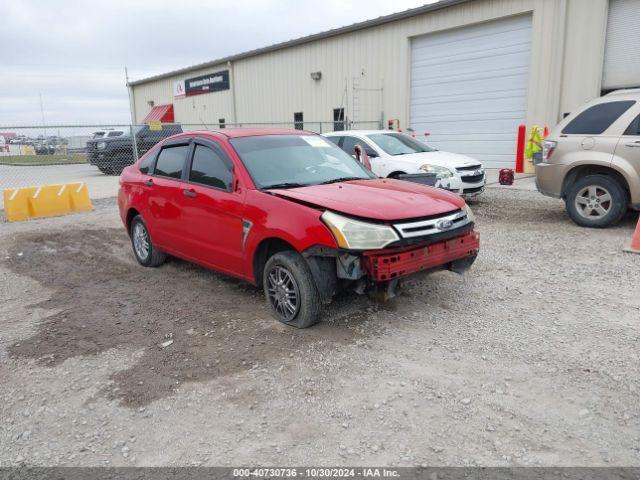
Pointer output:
178, 88
212, 82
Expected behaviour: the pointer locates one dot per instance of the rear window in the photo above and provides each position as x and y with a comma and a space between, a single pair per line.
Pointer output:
115, 133
595, 120
171, 161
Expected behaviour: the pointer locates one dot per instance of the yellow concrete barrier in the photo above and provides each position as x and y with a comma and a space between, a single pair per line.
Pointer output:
45, 201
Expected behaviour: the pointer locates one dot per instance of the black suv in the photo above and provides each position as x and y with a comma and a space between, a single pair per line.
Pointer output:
112, 154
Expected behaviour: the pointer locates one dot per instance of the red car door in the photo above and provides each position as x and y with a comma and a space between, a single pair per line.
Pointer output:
212, 209
163, 191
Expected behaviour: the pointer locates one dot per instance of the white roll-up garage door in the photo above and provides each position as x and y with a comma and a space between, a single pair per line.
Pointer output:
622, 47
469, 88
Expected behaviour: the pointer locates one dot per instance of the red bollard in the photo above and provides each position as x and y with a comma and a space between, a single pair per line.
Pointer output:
522, 131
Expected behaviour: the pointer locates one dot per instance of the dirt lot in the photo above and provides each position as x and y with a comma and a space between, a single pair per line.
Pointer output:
532, 358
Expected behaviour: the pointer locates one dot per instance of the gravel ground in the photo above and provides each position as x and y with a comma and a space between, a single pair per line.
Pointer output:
531, 358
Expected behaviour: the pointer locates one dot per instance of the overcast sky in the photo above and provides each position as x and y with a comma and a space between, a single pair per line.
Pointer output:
74, 52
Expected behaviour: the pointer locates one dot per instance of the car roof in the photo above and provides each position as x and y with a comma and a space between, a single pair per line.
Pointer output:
359, 132
250, 132
624, 94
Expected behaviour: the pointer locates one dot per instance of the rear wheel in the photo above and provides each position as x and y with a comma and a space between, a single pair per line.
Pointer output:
291, 291
143, 249
596, 201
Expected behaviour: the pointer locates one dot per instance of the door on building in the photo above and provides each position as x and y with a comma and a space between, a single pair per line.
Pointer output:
621, 60
469, 88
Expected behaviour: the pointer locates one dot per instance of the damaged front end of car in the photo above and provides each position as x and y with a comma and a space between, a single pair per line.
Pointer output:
395, 252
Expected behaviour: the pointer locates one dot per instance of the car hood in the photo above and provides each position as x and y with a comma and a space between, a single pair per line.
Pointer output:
438, 158
378, 199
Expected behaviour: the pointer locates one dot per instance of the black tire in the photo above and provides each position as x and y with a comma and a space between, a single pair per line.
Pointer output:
308, 306
105, 170
153, 257
602, 187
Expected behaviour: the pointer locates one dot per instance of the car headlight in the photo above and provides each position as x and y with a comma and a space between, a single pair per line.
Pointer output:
470, 215
357, 235
102, 145
441, 172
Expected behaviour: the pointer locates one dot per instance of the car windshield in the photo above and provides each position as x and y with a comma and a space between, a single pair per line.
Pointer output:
399, 144
287, 161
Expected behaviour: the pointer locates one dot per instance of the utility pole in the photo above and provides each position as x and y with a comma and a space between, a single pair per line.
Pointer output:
132, 114
42, 113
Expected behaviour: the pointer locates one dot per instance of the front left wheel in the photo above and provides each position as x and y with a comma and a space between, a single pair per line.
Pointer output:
291, 290
143, 249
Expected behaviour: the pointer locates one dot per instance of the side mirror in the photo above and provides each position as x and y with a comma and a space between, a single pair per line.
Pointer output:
361, 156
372, 154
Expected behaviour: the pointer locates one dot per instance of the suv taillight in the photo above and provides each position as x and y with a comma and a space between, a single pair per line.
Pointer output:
547, 149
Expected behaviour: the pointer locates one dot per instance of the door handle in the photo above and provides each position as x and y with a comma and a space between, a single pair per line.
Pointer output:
148, 182
634, 144
190, 193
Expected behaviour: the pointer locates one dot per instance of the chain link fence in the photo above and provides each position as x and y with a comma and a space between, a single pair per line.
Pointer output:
96, 154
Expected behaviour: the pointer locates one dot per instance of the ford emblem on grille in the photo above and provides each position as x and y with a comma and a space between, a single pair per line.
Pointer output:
444, 224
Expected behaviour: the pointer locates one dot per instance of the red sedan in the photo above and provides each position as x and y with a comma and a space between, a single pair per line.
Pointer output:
290, 212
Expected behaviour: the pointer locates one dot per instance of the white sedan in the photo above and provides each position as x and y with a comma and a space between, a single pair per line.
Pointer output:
393, 154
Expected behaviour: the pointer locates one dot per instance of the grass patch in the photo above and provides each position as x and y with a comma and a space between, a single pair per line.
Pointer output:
56, 159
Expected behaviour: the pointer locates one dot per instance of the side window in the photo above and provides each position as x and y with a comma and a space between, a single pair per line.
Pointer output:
349, 145
171, 161
208, 168
634, 127
145, 163
595, 120
335, 140
338, 119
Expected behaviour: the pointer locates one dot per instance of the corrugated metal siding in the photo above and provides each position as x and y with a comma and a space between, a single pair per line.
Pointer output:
272, 86
622, 51
381, 53
583, 53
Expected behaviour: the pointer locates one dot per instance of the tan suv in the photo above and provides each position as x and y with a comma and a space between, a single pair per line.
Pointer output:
592, 160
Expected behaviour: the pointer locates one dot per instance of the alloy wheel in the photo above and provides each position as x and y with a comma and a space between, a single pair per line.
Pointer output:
593, 202
141, 242
284, 293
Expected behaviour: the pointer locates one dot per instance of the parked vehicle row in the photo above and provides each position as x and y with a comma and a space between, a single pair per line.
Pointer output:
291, 212
112, 150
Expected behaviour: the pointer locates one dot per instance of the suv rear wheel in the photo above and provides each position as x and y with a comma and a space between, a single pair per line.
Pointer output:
291, 291
596, 201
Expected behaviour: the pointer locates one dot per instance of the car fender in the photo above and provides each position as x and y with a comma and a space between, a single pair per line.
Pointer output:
630, 174
268, 216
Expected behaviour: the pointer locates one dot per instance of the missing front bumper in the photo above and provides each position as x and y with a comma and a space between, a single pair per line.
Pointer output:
457, 254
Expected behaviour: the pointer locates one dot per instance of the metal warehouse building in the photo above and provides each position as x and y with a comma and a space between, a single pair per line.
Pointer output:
466, 71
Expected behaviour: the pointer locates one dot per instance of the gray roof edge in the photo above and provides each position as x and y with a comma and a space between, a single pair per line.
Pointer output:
309, 38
